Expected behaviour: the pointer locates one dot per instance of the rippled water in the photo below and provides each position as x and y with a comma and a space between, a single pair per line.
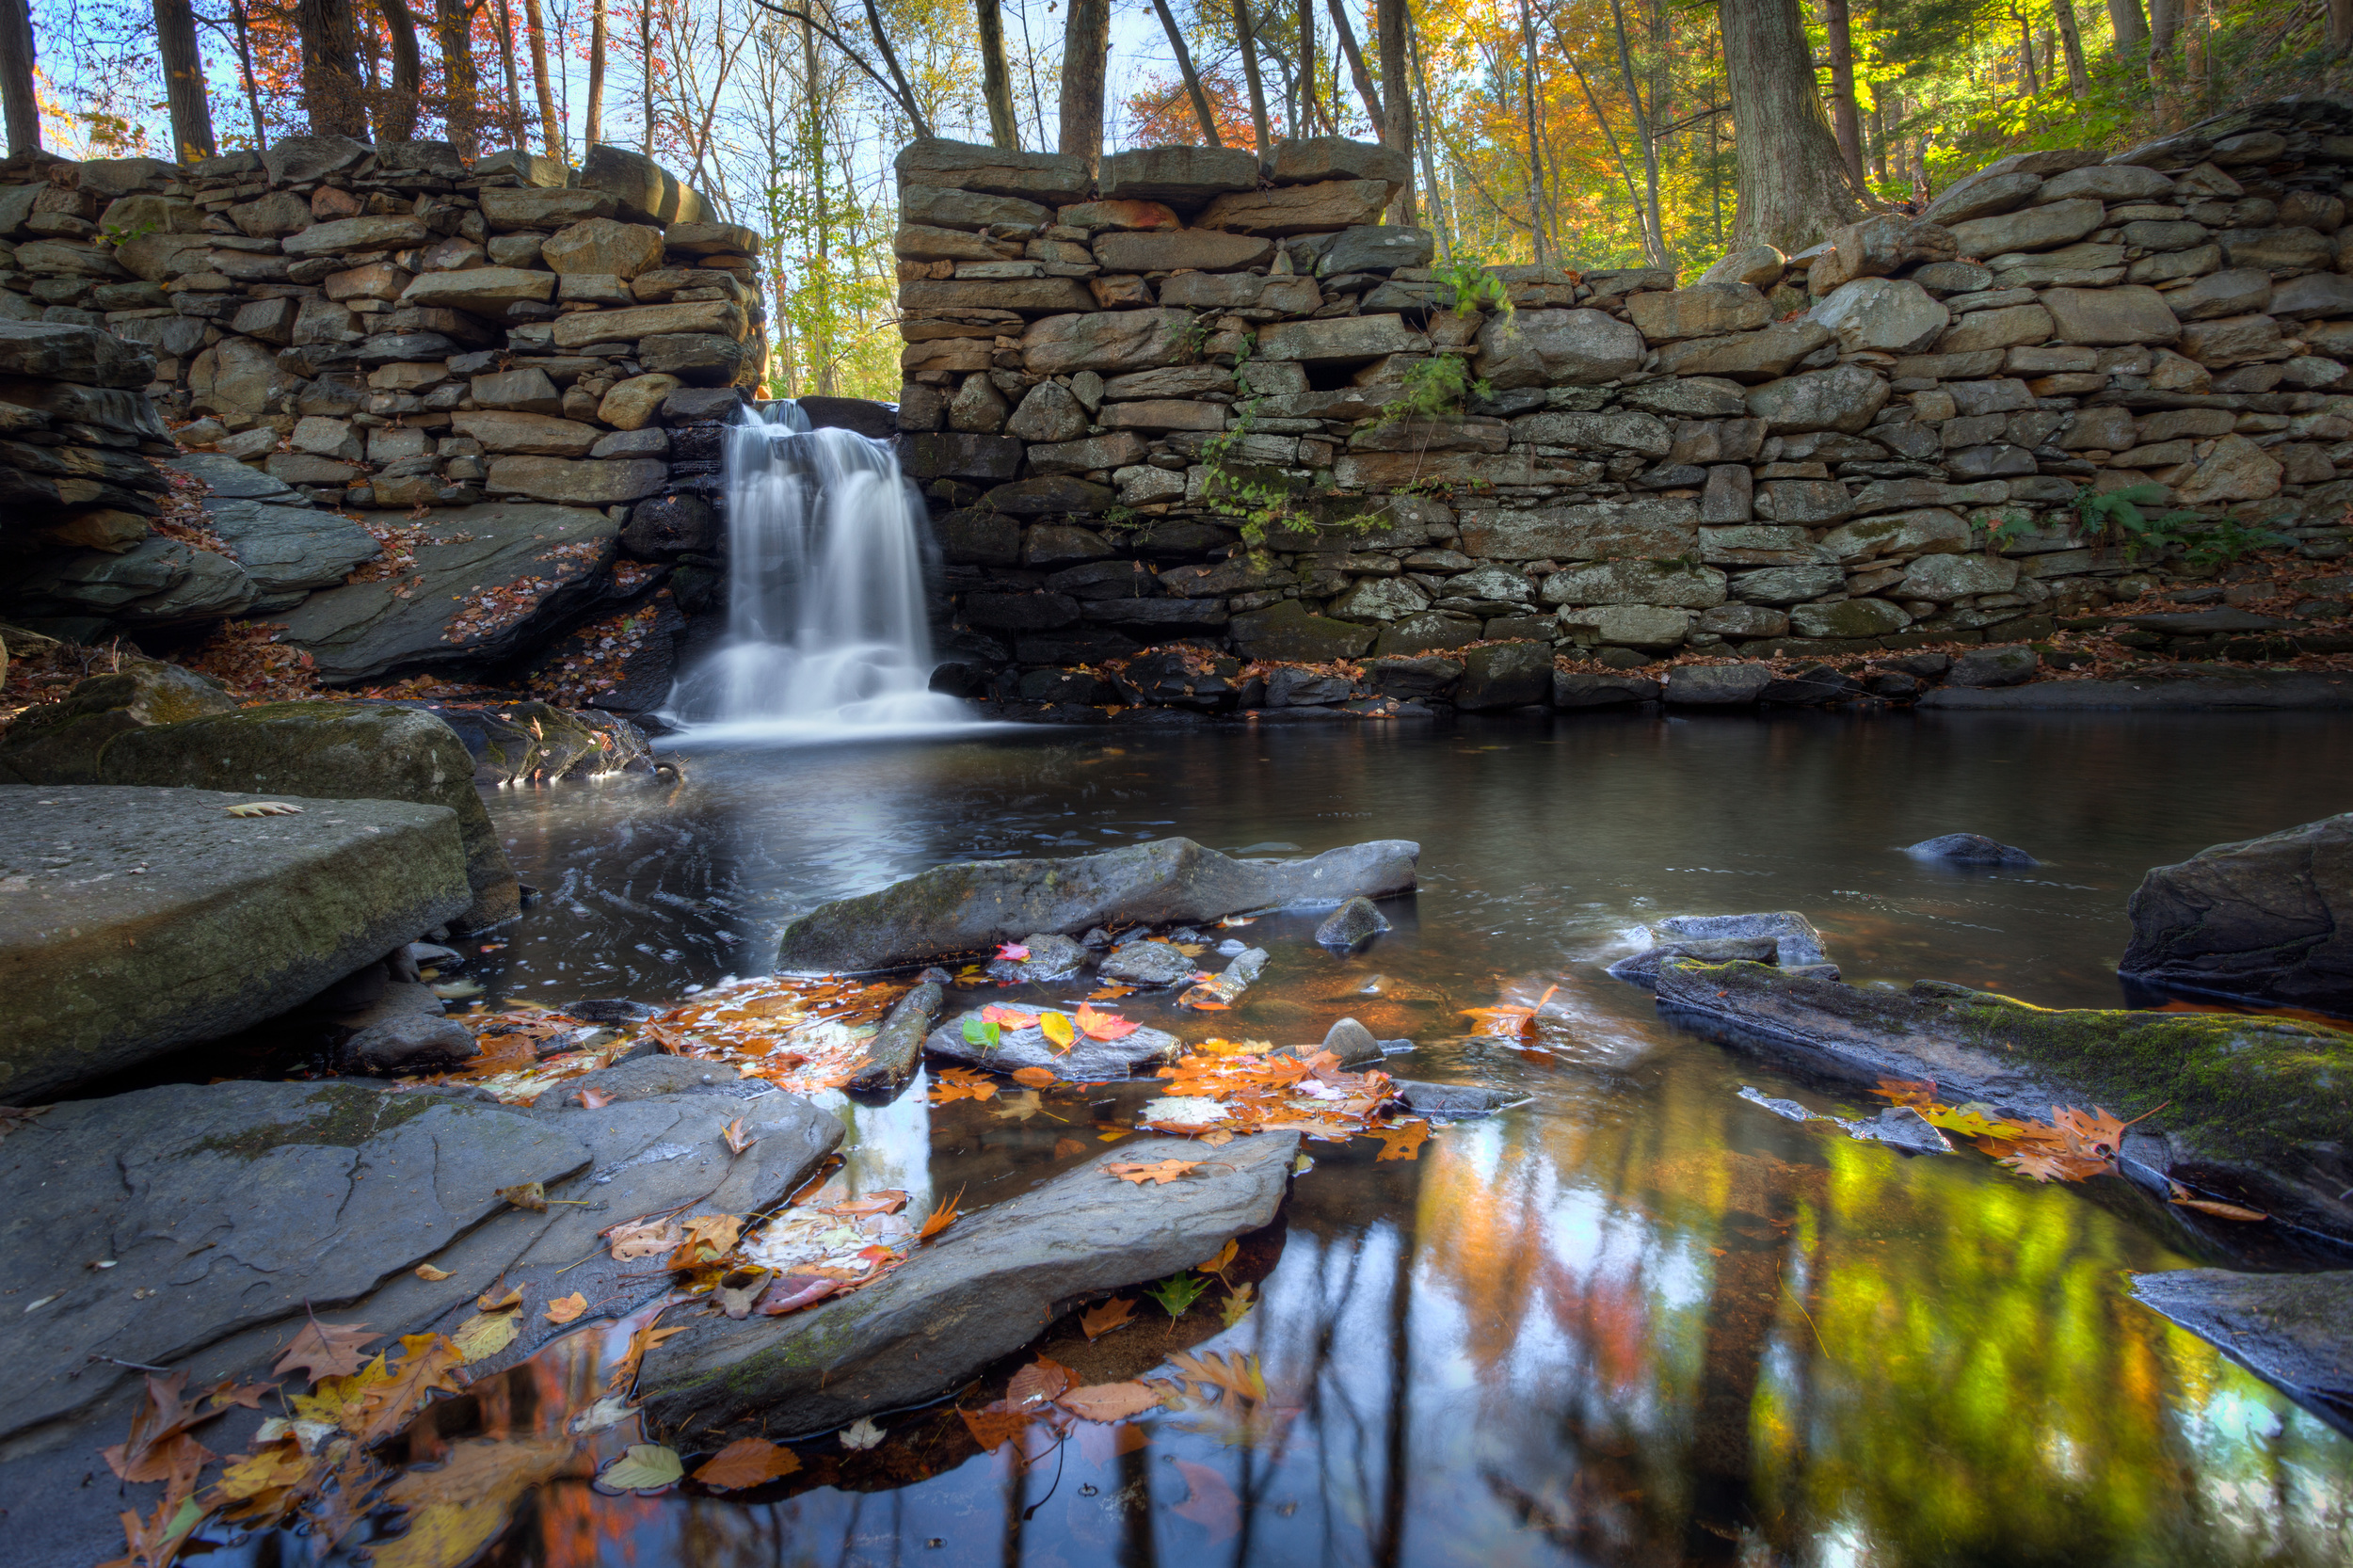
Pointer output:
1639, 1320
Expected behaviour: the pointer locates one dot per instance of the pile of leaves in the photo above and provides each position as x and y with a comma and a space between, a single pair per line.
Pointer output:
246, 656
800, 1035
1225, 1088
505, 605
987, 1026
399, 543
598, 655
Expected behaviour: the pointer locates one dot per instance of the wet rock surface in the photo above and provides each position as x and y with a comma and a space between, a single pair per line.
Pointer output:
1971, 849
961, 908
1086, 1061
2262, 920
2294, 1330
897, 1047
989, 1284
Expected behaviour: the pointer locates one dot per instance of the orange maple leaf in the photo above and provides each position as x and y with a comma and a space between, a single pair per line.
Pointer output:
941, 1218
747, 1461
1161, 1172
1100, 1319
1099, 1025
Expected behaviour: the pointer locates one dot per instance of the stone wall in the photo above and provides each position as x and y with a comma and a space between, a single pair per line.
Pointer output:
434, 414
1878, 446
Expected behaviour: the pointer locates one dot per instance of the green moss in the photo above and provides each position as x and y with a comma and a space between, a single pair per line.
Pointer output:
346, 1118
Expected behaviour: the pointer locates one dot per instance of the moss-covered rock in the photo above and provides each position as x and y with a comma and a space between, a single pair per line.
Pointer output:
59, 742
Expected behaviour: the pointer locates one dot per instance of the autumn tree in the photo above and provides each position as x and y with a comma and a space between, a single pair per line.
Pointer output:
16, 77
331, 90
1793, 184
184, 80
1086, 44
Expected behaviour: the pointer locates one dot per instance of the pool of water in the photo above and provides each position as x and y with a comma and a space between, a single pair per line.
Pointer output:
1637, 1320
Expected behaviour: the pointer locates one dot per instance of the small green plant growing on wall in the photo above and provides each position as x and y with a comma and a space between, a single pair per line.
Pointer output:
2118, 514
1472, 287
1439, 386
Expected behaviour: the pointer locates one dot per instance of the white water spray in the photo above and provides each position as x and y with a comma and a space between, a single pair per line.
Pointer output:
826, 638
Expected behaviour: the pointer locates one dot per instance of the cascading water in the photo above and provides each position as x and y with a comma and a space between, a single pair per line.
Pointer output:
826, 637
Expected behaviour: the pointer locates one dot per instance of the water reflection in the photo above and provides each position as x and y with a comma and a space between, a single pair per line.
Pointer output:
1640, 1321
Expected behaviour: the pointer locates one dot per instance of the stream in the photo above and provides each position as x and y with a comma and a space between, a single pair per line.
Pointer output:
1637, 1320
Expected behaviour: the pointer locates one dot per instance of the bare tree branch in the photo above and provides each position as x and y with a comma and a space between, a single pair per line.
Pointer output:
897, 94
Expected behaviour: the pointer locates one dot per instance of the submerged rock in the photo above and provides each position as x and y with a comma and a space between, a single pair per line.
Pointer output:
1225, 988
1051, 958
2252, 1104
1642, 969
992, 1283
415, 1042
1354, 1045
1784, 937
1087, 1061
977, 904
1971, 849
1456, 1100
898, 1046
1148, 963
2263, 920
1355, 922
2292, 1330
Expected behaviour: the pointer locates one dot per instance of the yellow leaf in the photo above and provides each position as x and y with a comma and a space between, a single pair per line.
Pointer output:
1057, 1028
429, 1273
486, 1333
489, 1303
1217, 1265
569, 1307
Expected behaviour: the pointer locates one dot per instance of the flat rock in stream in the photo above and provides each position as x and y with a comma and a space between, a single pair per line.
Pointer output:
2265, 919
1087, 1061
975, 905
2292, 1330
1151, 962
991, 1284
2252, 1105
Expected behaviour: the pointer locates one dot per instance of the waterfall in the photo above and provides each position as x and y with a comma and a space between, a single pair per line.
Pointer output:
826, 637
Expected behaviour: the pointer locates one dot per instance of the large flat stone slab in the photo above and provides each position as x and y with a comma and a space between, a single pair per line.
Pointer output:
136, 920
2292, 1330
988, 1286
490, 581
964, 909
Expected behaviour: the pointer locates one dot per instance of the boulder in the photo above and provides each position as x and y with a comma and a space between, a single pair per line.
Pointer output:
1971, 849
353, 235
1498, 676
1288, 210
413, 1043
1706, 310
1313, 160
1746, 357
2262, 920
969, 907
642, 190
1893, 316
56, 351
231, 919
1105, 342
1180, 176
989, 1284
295, 160
1797, 945
330, 751
1053, 178
2257, 1106
2096, 317
291, 548
2294, 1330
1642, 969
1290, 631
1087, 1060
2044, 227
1715, 685
1356, 921
1841, 398
59, 742
158, 582
490, 580
485, 291
1542, 349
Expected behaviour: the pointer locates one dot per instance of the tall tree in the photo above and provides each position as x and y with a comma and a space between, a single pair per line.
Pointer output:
1085, 42
461, 107
16, 77
550, 130
1793, 183
1396, 125
183, 81
1355, 58
1845, 121
1535, 134
594, 131
506, 64
1247, 36
396, 107
2072, 38
1310, 106
2129, 26
996, 81
331, 91
1184, 68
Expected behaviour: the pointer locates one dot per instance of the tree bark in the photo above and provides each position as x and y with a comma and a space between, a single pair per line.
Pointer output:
1356, 64
2165, 24
593, 131
331, 92
244, 70
996, 81
1249, 41
2340, 24
183, 81
1397, 127
514, 87
2025, 56
1793, 183
461, 108
551, 133
1192, 78
1846, 122
2130, 28
2071, 39
1535, 136
1440, 218
1086, 39
16, 77
1310, 106
396, 109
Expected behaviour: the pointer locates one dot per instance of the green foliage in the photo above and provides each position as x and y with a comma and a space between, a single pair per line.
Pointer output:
2014, 525
1178, 1292
1473, 287
1439, 386
1192, 339
980, 1031
2118, 514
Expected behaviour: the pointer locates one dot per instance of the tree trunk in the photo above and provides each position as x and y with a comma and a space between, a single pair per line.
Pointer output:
2165, 25
1192, 78
1535, 136
331, 72
645, 63
822, 274
2025, 56
461, 109
397, 110
2072, 38
183, 81
2130, 26
1793, 184
16, 77
1654, 220
1440, 218
551, 132
514, 87
996, 81
1086, 39
1248, 37
2340, 24
1396, 128
907, 100
244, 70
594, 131
1310, 106
1356, 64
1845, 123
1879, 138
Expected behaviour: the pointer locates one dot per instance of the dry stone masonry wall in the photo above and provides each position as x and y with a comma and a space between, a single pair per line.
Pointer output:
1880, 445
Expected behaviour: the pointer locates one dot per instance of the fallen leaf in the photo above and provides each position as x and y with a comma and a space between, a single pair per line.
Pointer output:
737, 1138
994, 1427
1161, 1172
2214, 1206
427, 1272
1056, 1028
709, 1238
1210, 1504
1041, 1382
1235, 1373
980, 1031
1066, 1147
645, 1238
159, 1446
565, 1309
941, 1217
428, 1365
530, 1194
1237, 1304
1918, 1093
499, 1304
1100, 1319
325, 1350
793, 1292
1111, 993
747, 1461
1104, 1026
1177, 1293
1035, 1078
1109, 1401
1401, 1142
1217, 1265
1018, 1108
595, 1099
861, 1435
263, 808
961, 1083
1013, 951
483, 1336
646, 1468
1007, 1017
228, 1392
889, 1201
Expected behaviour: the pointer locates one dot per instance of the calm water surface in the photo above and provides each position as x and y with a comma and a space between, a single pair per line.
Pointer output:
1639, 1320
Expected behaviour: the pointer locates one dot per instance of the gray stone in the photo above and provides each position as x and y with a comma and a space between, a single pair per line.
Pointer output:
2109, 183
1786, 585
1540, 348
413, 1043
642, 190
1180, 176
1746, 357
1689, 396
1983, 195
576, 482
1971, 849
1852, 617
157, 583
287, 548
1715, 685
1642, 969
1625, 432
1636, 582
1944, 578
1051, 958
60, 741
1884, 314
1290, 631
2097, 317
1376, 248
1654, 528
1341, 338
1642, 626
969, 908
486, 291
1288, 210
1842, 398
2034, 229
2308, 298
1579, 690
1052, 178
353, 235
1048, 413
1706, 310
2008, 666
1087, 1060
2294, 1330
234, 920
1356, 921
1796, 943
1148, 963
989, 1284
1504, 675
932, 206
1313, 160
55, 351
1106, 341
2261, 919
